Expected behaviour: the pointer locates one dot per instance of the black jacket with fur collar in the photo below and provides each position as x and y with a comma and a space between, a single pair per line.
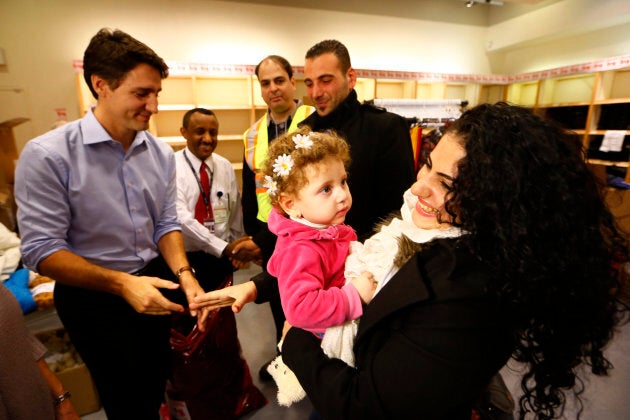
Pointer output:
427, 345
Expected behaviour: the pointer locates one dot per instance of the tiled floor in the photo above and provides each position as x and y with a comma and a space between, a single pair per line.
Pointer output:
604, 399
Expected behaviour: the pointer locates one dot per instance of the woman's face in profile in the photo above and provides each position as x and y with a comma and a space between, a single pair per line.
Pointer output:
433, 182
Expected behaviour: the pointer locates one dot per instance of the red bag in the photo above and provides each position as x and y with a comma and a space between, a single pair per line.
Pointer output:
210, 378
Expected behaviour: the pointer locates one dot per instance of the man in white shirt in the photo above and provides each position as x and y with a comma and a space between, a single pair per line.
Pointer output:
209, 209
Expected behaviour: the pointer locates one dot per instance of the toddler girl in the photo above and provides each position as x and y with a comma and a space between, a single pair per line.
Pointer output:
306, 179
305, 176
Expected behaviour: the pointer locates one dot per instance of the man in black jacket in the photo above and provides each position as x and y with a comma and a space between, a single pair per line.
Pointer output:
380, 144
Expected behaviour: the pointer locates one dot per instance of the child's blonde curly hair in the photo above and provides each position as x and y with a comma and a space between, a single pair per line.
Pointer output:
291, 153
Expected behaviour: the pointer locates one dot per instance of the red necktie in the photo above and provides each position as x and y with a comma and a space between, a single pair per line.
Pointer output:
201, 213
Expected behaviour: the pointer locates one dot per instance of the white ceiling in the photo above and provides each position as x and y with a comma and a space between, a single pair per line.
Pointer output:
451, 11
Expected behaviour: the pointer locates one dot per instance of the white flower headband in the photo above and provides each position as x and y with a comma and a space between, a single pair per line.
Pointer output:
302, 142
271, 185
284, 163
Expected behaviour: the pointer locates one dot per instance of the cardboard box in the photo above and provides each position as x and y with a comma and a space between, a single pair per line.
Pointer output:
8, 150
71, 371
618, 200
78, 381
619, 204
8, 209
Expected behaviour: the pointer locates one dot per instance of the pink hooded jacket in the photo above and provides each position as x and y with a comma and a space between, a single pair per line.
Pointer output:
309, 265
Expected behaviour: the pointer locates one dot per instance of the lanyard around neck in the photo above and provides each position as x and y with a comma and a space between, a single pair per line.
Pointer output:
206, 198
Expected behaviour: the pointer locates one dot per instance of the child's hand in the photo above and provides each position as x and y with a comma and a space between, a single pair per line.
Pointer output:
365, 285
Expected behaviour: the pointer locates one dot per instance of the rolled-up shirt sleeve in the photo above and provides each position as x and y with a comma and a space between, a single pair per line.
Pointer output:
167, 220
43, 209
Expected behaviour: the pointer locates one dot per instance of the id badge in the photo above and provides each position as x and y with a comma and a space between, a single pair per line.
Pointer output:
209, 224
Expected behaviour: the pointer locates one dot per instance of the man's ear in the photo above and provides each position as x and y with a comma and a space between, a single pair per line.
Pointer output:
351, 75
99, 84
287, 203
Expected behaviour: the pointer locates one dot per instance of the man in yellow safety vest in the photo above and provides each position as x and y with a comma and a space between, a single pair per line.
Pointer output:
284, 113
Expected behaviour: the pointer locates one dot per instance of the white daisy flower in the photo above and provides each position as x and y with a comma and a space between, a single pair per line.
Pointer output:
302, 142
283, 164
271, 185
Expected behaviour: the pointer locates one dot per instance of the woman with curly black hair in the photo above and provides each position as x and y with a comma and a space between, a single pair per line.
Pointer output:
534, 213
531, 275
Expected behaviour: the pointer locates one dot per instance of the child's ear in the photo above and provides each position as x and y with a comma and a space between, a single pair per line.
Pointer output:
287, 203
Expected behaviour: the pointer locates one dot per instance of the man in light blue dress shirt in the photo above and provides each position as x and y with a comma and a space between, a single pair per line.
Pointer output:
97, 213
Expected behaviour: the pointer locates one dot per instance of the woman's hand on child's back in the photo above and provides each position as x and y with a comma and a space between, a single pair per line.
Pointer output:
365, 285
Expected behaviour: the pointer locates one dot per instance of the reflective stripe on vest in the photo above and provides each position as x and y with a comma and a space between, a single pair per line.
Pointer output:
256, 144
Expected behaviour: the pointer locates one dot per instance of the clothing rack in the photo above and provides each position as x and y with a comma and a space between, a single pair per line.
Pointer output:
429, 122
424, 109
425, 118
425, 134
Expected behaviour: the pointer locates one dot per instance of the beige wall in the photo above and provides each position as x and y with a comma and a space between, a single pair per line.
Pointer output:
562, 33
41, 38
579, 48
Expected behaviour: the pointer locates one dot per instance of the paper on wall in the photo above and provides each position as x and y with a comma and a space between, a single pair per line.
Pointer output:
613, 141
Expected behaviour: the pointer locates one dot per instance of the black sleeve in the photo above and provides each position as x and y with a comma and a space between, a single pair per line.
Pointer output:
411, 360
248, 200
401, 378
254, 227
396, 165
266, 287
336, 390
383, 171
